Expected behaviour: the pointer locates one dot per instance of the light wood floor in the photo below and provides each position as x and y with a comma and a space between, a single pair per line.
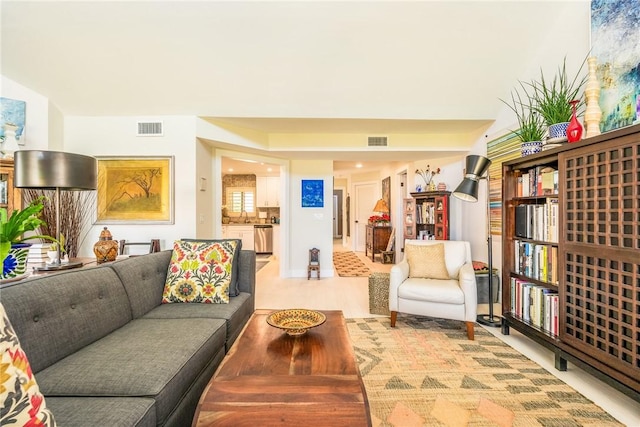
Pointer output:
351, 295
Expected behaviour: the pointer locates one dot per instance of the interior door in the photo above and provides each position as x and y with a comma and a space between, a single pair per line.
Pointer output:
366, 196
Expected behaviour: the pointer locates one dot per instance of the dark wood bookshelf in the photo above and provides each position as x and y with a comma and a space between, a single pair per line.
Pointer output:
598, 250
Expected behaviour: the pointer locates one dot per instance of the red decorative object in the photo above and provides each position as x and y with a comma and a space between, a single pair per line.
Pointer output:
574, 130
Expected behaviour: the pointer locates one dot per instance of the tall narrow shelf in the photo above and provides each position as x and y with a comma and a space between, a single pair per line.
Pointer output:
426, 215
10, 197
584, 267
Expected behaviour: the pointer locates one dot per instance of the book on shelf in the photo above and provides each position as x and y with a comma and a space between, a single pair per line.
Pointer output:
537, 221
537, 261
538, 181
535, 304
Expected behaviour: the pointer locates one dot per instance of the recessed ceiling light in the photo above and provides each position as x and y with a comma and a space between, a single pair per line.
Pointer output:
269, 170
358, 165
230, 169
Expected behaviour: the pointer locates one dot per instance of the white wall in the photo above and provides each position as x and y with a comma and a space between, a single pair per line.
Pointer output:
310, 227
205, 192
38, 122
116, 136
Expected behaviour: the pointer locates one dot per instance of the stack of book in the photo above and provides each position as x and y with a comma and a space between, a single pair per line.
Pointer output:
535, 304
38, 253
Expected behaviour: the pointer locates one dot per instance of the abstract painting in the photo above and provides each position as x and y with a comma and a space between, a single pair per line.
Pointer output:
13, 111
135, 190
312, 193
615, 43
502, 149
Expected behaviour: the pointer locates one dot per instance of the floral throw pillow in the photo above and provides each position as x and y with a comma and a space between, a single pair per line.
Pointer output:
21, 402
199, 272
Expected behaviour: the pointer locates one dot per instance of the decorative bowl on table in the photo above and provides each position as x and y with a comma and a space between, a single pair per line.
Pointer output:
296, 321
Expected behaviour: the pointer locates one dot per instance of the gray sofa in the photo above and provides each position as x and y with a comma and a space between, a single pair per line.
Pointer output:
106, 352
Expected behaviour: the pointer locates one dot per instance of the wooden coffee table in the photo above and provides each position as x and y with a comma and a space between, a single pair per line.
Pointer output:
269, 378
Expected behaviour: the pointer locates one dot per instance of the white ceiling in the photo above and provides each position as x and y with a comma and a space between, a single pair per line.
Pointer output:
367, 67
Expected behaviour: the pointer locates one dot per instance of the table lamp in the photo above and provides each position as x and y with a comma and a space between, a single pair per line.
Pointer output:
55, 170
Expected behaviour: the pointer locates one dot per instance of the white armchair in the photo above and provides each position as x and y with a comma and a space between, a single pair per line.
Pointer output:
453, 297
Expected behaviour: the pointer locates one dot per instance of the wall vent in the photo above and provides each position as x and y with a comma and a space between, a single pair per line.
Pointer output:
377, 141
149, 129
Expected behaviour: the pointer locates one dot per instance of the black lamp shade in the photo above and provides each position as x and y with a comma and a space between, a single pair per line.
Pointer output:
55, 169
476, 166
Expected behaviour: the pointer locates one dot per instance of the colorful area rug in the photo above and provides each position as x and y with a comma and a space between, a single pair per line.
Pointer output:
425, 372
347, 264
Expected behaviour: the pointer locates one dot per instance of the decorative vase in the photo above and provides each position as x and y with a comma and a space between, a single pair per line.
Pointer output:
53, 257
10, 143
558, 131
574, 130
15, 264
105, 249
442, 186
530, 147
593, 113
432, 186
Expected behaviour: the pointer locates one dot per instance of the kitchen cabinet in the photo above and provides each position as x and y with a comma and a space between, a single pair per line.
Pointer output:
242, 232
268, 191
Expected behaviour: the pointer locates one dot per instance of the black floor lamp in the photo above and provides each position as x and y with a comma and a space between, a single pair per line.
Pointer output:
55, 170
476, 166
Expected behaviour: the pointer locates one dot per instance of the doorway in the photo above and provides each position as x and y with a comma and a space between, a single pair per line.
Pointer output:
337, 214
365, 200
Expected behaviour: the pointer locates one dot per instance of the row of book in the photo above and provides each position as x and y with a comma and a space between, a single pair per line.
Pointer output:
538, 181
535, 304
538, 221
426, 213
536, 261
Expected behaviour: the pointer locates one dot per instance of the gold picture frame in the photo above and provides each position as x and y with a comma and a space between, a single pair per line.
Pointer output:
135, 190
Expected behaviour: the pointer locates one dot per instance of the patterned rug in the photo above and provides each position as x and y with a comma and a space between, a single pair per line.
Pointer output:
347, 264
425, 372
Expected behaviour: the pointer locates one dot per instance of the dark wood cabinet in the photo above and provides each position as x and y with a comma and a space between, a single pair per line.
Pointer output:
10, 197
377, 240
426, 215
571, 254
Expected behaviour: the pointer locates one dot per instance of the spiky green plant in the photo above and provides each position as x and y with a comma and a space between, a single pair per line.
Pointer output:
531, 125
551, 97
12, 228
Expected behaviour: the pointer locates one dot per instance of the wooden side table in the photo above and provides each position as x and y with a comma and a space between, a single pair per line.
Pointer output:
377, 239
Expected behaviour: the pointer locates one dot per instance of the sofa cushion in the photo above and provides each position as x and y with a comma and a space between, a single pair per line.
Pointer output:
103, 411
426, 261
57, 315
199, 272
22, 403
233, 287
143, 278
236, 313
168, 355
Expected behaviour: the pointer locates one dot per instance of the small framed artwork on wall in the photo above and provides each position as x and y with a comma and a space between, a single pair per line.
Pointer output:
312, 193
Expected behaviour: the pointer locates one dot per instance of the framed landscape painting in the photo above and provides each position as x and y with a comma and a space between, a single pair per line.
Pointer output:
135, 190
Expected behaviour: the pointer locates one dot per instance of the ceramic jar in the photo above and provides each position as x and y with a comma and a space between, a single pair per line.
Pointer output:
105, 249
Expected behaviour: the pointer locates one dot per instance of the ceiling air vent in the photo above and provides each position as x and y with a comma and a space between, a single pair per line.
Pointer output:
149, 129
377, 141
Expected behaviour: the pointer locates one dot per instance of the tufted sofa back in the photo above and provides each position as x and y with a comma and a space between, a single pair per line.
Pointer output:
57, 315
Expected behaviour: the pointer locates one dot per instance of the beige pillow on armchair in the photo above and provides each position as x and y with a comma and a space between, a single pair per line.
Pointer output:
427, 261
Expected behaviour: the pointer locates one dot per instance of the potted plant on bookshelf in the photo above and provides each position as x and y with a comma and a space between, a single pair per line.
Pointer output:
532, 127
13, 250
552, 99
